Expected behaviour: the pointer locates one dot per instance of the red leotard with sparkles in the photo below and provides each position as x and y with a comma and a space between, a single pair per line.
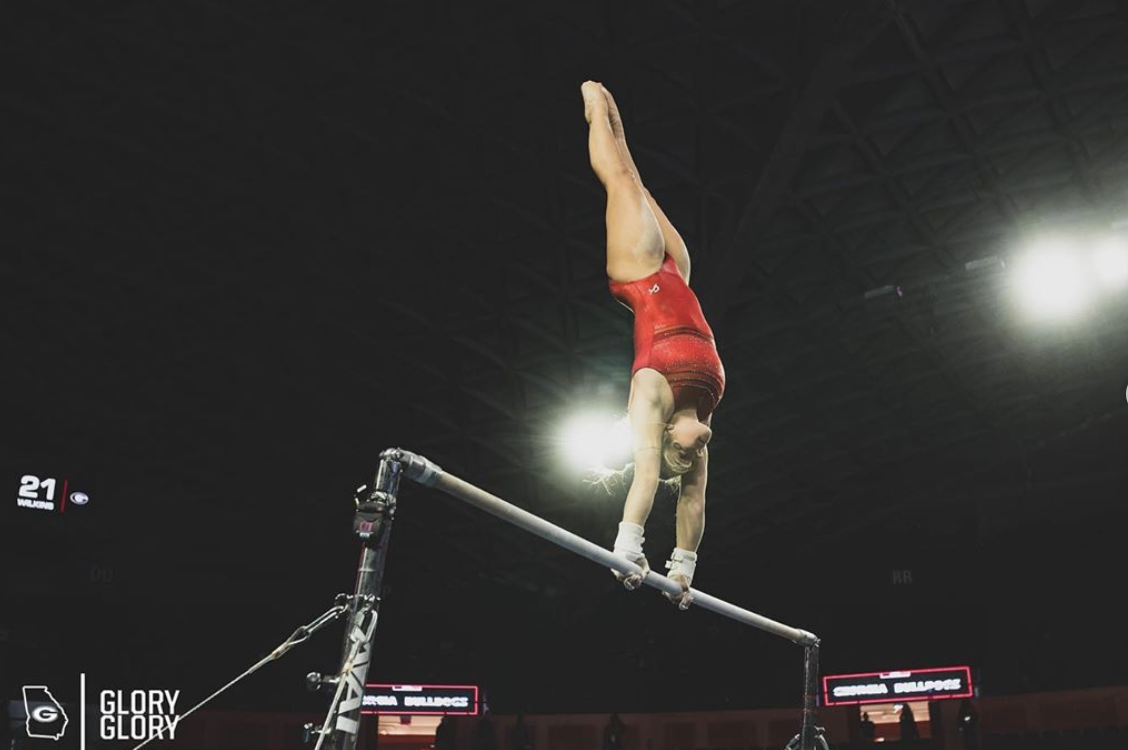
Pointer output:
672, 337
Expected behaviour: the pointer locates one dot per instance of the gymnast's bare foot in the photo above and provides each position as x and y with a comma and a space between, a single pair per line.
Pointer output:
595, 103
613, 115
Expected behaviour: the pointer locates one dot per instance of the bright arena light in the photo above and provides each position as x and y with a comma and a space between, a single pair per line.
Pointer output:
1110, 260
1051, 283
595, 442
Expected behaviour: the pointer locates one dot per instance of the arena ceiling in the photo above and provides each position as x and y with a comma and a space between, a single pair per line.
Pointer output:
251, 245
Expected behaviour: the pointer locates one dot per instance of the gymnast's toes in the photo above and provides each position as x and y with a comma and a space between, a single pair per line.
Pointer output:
593, 99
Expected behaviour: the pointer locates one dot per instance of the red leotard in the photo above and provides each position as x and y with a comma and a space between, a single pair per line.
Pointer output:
672, 337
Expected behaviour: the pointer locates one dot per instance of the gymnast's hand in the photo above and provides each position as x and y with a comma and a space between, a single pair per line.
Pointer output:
686, 597
632, 581
682, 566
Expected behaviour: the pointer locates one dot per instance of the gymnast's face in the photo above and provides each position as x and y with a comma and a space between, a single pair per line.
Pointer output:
687, 439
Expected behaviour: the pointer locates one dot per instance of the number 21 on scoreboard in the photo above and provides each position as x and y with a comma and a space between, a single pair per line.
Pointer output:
31, 484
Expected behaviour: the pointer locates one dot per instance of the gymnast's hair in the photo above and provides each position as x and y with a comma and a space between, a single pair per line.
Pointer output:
617, 482
673, 465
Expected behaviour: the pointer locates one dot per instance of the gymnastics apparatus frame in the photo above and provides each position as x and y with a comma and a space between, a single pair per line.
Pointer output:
375, 510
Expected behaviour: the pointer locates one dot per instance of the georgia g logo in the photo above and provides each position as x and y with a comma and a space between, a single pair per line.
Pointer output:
44, 714
46, 719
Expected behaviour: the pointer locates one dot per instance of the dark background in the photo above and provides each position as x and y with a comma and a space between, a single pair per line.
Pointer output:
248, 246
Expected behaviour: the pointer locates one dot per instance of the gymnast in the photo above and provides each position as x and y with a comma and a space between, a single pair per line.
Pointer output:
677, 379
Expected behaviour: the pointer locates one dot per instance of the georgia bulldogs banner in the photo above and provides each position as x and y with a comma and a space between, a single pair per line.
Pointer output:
894, 687
420, 699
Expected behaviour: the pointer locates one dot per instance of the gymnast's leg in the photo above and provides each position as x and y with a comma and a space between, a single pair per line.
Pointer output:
635, 245
674, 244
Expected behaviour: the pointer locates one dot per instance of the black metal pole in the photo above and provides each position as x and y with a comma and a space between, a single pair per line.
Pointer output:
809, 732
375, 509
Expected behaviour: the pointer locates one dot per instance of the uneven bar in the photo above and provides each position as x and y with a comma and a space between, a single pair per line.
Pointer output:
425, 472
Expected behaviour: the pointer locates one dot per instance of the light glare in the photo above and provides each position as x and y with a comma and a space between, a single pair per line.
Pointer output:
1051, 284
1111, 262
594, 442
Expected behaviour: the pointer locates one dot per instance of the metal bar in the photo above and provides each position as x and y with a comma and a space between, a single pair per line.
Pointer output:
428, 474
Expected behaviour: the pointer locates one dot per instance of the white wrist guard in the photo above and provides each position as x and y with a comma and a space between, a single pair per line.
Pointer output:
628, 543
682, 562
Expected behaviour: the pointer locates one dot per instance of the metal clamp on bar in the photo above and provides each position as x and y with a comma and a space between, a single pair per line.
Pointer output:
414, 466
374, 508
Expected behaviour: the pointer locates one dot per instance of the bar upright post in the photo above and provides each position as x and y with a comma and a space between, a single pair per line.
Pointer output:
375, 509
809, 732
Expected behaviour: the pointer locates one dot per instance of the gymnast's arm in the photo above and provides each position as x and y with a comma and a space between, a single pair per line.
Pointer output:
645, 411
690, 527
647, 425
691, 503
693, 487
694, 481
